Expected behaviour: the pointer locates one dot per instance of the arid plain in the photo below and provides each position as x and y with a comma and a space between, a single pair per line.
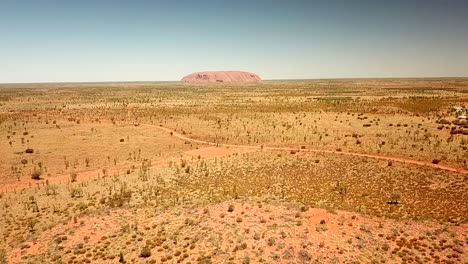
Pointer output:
306, 171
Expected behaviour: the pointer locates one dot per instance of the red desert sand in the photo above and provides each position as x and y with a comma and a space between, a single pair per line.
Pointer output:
221, 76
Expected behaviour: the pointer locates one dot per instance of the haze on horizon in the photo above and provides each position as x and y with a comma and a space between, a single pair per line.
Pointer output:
89, 41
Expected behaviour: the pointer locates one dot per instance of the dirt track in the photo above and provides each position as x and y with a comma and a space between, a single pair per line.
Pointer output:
396, 159
209, 154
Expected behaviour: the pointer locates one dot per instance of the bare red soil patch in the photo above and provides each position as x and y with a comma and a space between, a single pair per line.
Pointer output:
83, 230
284, 233
32, 248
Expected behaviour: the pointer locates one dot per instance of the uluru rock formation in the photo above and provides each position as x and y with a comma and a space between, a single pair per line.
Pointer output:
221, 76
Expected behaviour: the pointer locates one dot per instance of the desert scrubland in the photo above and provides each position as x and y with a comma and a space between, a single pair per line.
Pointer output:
304, 171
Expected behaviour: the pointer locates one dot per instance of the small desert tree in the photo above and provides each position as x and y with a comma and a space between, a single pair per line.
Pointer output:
31, 224
394, 198
36, 174
73, 176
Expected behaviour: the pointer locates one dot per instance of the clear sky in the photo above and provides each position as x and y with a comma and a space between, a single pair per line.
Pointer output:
92, 40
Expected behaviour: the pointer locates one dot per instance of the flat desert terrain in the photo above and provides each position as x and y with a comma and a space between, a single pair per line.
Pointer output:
300, 171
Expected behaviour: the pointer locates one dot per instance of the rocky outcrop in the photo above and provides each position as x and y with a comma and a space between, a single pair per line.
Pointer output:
221, 77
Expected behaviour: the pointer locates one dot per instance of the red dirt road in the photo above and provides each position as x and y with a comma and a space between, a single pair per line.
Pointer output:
372, 156
210, 153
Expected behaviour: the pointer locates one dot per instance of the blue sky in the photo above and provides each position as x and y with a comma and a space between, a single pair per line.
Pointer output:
61, 41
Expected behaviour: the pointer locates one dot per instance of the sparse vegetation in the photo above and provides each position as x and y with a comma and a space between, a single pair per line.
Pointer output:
145, 252
112, 179
36, 174
73, 176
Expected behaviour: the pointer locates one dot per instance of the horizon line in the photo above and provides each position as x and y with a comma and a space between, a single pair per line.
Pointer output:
279, 79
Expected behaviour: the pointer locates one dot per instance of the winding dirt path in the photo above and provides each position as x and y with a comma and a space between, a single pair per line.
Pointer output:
90, 174
372, 156
205, 154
